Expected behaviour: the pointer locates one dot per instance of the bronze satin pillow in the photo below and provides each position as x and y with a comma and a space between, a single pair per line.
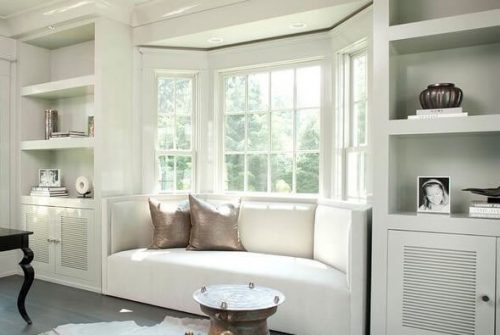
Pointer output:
214, 228
171, 223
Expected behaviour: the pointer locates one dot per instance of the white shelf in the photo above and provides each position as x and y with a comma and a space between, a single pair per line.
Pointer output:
447, 33
58, 143
67, 88
470, 124
86, 203
442, 223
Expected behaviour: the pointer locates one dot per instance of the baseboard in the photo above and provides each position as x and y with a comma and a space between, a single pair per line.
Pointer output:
68, 283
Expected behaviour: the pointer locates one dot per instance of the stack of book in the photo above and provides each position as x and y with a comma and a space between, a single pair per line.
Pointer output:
45, 191
437, 113
484, 209
71, 133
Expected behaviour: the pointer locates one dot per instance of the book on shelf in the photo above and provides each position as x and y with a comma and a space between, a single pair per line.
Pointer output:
436, 116
49, 191
49, 195
485, 216
484, 210
440, 111
485, 204
71, 133
49, 188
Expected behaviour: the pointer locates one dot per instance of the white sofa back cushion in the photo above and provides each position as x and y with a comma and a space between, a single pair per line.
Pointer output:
278, 228
281, 228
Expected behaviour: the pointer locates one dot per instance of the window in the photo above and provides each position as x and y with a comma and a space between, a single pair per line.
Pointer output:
174, 138
352, 123
272, 130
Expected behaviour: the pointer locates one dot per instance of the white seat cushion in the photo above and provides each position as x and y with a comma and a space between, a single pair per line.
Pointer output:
169, 277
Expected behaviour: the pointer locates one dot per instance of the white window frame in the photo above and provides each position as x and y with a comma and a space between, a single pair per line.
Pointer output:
220, 117
344, 124
193, 75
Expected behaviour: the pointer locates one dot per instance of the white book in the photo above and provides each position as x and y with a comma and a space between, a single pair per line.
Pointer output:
484, 210
436, 116
486, 216
454, 110
485, 204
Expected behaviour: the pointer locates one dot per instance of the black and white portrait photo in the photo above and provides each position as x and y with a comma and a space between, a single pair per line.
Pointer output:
49, 177
433, 194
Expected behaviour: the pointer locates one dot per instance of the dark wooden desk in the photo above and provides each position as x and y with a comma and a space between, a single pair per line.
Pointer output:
11, 239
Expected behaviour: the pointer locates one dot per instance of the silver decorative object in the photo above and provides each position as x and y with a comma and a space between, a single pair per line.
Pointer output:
442, 95
50, 122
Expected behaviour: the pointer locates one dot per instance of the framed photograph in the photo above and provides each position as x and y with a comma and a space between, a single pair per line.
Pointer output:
433, 194
49, 177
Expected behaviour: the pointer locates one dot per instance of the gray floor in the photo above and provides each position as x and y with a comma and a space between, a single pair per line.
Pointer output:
50, 305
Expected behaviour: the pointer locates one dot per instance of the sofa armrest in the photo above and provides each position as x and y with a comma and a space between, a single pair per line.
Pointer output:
342, 238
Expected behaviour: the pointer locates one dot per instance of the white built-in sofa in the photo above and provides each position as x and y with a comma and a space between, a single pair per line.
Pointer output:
315, 252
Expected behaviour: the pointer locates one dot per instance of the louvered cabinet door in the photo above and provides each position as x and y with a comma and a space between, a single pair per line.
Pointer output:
440, 284
73, 247
37, 220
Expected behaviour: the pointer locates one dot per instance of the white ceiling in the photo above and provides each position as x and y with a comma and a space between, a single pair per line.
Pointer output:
270, 28
13, 7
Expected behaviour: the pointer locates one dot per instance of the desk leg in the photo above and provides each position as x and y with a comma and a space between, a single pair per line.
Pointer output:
29, 275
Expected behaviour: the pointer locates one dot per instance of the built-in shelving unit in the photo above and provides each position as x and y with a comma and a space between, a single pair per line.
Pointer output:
418, 43
72, 69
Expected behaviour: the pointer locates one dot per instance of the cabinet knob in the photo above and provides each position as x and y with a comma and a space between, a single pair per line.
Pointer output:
485, 298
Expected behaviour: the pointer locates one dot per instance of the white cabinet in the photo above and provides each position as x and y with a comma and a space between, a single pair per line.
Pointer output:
64, 243
441, 284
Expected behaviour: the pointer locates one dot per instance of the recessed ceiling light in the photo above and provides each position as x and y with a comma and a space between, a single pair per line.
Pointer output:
298, 25
215, 40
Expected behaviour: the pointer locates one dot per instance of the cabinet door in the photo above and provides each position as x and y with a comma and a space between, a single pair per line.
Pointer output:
37, 220
437, 283
73, 246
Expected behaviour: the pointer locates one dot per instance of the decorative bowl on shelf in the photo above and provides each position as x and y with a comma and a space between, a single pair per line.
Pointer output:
442, 95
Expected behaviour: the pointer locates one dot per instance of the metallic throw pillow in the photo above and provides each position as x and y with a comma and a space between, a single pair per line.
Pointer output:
171, 223
214, 228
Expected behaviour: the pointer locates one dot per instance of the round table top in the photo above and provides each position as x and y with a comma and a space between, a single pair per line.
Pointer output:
238, 297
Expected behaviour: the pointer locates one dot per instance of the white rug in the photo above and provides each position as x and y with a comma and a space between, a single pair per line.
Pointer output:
169, 326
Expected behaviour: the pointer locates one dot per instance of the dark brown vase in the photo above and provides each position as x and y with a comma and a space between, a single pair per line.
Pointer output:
443, 95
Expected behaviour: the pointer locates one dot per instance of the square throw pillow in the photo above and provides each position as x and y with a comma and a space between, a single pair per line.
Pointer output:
172, 225
214, 228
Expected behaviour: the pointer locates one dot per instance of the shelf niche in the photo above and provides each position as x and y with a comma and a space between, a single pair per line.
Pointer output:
470, 160
474, 69
72, 163
406, 11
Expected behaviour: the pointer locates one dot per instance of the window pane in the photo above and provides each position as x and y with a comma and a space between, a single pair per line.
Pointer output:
359, 76
282, 173
183, 96
308, 173
356, 172
166, 172
257, 173
282, 89
308, 129
235, 94
282, 131
165, 131
258, 132
235, 171
359, 123
183, 166
308, 87
258, 92
235, 133
166, 95
184, 131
